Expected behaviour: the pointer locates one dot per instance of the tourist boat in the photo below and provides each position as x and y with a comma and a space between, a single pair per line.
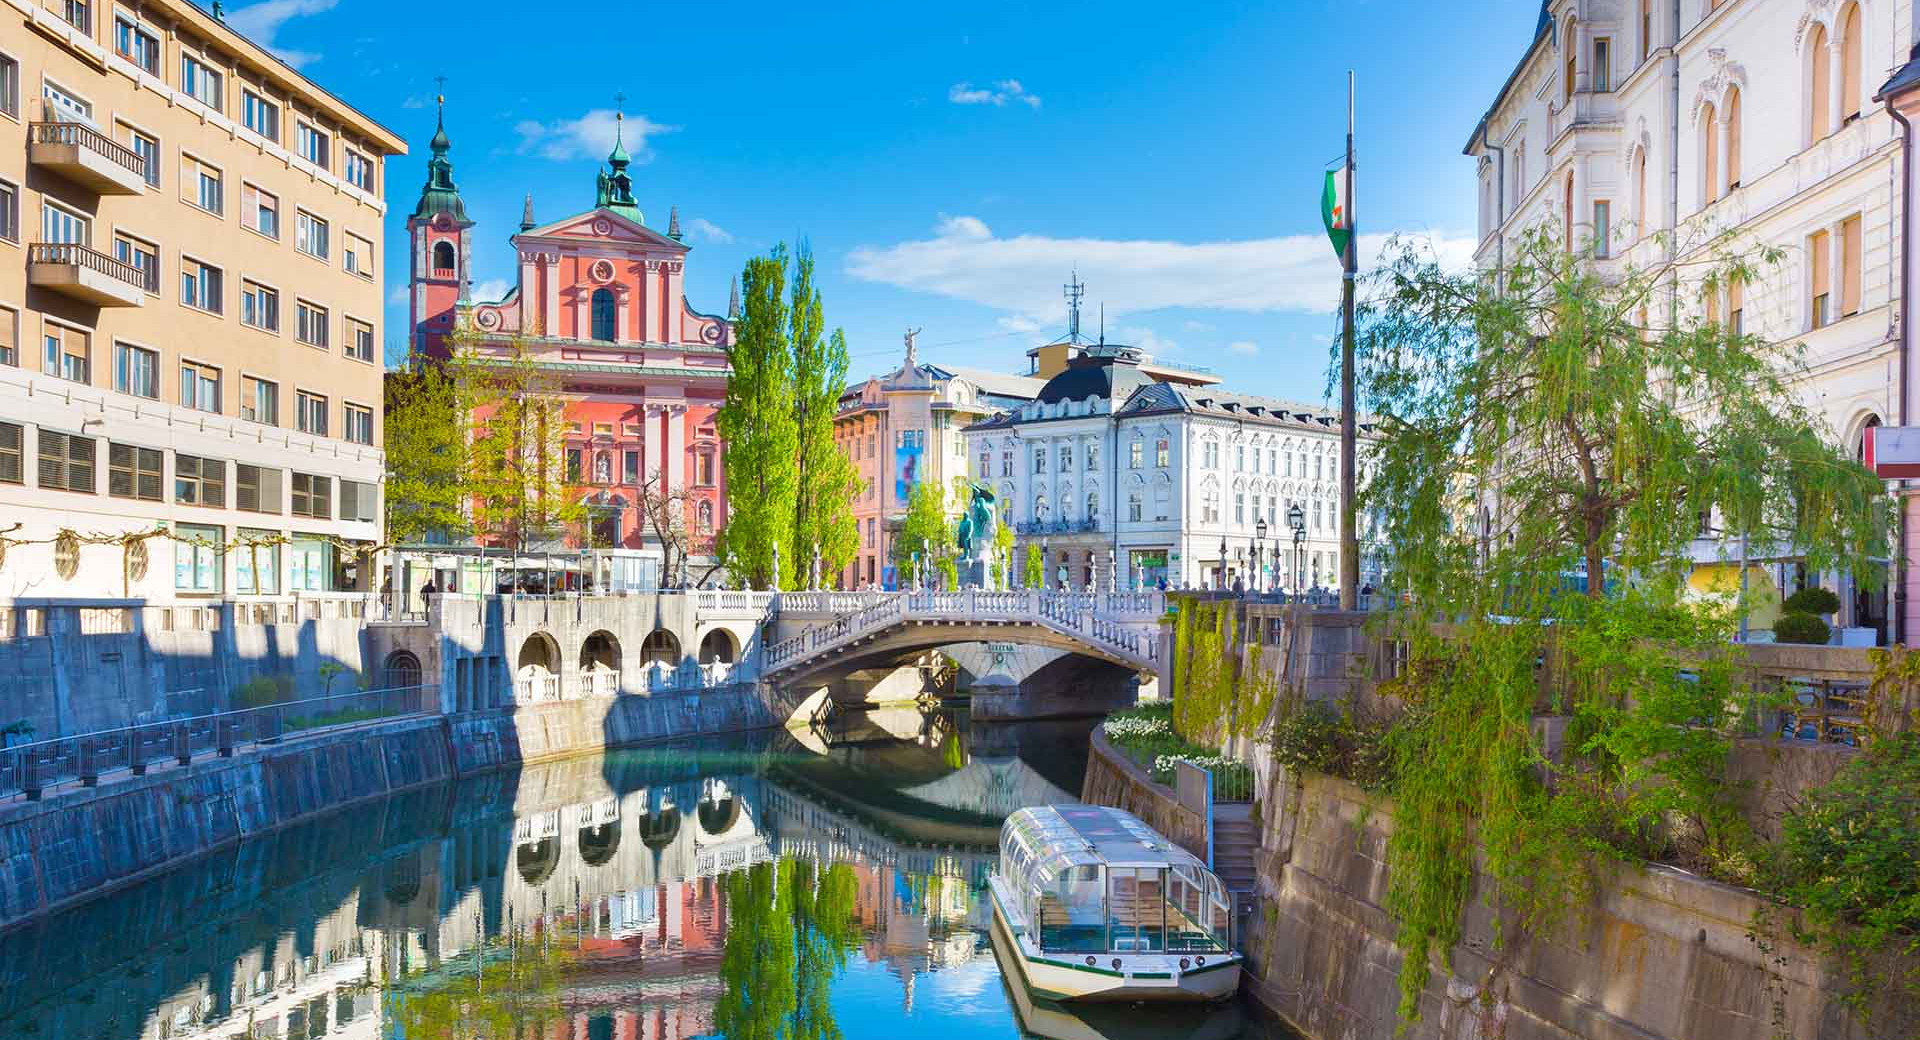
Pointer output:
1090, 904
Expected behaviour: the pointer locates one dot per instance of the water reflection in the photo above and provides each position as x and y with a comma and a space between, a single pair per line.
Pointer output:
765, 888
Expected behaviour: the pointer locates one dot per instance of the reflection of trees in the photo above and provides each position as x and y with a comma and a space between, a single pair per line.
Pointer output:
789, 929
516, 992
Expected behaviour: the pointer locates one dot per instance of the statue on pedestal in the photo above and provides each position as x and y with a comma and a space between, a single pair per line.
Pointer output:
976, 536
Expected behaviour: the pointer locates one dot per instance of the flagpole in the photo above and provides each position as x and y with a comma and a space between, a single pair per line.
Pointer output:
1349, 535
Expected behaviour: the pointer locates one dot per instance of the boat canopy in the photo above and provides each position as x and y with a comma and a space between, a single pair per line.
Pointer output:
1043, 841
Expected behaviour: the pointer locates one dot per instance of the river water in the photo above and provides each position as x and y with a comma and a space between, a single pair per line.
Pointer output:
808, 886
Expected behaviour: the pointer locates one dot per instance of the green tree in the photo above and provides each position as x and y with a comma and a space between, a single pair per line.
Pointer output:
517, 484
757, 424
825, 478
926, 527
1546, 454
758, 962
1003, 552
1033, 573
425, 437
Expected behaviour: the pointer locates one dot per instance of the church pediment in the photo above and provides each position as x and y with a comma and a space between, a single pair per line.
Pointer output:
600, 226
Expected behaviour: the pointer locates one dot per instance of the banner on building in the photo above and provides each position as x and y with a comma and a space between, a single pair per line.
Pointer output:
907, 459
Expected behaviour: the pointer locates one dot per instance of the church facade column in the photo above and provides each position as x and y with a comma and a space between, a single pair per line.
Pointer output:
677, 446
650, 279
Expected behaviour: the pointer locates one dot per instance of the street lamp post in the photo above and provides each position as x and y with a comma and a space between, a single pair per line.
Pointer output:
1297, 519
1220, 573
1259, 539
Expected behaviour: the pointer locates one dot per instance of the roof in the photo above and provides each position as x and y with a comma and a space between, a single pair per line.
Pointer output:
1213, 401
1543, 30
1904, 78
1063, 836
1000, 384
1112, 377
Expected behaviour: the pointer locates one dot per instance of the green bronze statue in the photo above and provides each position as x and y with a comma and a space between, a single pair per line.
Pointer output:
977, 525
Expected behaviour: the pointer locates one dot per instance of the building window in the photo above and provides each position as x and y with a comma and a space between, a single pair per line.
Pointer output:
1602, 228
1736, 305
1239, 507
986, 464
260, 306
200, 286
1850, 266
1161, 452
310, 234
58, 224
256, 489
1133, 506
199, 387
1602, 64
64, 107
310, 413
9, 336
1240, 458
259, 210
630, 468
312, 496
313, 145
9, 211
148, 149
1820, 256
261, 116
1733, 138
198, 558
1850, 50
66, 462
202, 185
201, 82
359, 344
443, 259
310, 323
1134, 454
703, 469
356, 256
1646, 29
135, 472
136, 371
358, 500
9, 86
1820, 92
67, 355
141, 256
137, 45
604, 316
256, 563
1066, 458
310, 563
259, 401
574, 465
357, 169
1039, 460
79, 14
359, 424
13, 464
199, 482
1006, 462
1569, 47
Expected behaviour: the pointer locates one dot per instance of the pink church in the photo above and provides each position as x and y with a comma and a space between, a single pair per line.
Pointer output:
600, 303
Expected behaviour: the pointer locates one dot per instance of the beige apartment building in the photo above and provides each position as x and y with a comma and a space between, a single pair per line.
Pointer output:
190, 312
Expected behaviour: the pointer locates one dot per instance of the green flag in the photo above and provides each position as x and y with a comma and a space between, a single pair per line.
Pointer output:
1333, 210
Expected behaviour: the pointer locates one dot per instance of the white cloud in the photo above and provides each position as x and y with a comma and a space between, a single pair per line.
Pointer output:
1019, 323
1197, 326
965, 260
414, 101
489, 291
261, 23
1132, 335
588, 137
999, 95
399, 293
1244, 346
707, 231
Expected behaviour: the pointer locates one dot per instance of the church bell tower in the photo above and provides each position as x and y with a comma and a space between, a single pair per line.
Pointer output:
440, 248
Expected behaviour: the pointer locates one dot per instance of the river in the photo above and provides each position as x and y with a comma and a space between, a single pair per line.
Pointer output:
804, 885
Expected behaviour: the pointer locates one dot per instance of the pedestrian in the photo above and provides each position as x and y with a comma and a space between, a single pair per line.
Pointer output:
427, 592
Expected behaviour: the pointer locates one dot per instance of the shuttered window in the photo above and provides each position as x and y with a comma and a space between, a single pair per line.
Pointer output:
199, 482
66, 462
135, 472
13, 468
256, 489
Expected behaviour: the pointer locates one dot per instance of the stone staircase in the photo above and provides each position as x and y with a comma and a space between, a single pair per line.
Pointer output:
1235, 842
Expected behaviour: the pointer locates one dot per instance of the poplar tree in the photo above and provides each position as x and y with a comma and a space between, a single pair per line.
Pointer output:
425, 436
758, 425
825, 480
926, 528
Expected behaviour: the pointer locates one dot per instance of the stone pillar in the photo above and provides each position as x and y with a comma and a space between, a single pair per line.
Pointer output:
676, 446
550, 310
650, 280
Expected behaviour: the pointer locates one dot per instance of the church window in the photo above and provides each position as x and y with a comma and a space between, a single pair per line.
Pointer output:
603, 314
443, 258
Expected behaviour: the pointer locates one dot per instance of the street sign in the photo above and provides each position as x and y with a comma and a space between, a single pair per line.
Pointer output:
1893, 452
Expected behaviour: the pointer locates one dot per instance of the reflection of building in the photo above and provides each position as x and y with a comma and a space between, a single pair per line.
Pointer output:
189, 310
599, 305
903, 428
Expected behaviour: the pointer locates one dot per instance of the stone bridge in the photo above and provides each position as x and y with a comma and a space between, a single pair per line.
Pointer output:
823, 634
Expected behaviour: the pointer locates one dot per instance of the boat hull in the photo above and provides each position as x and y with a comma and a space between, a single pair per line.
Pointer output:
1141, 979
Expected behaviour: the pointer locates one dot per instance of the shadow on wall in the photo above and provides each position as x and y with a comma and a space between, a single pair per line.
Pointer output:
76, 666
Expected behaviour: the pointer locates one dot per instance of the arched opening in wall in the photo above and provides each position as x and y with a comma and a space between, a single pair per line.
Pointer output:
401, 670
604, 315
600, 651
661, 647
536, 860
719, 810
402, 881
658, 829
1860, 438
443, 260
539, 651
599, 843
718, 647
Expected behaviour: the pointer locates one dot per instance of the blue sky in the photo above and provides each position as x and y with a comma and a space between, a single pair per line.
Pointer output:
951, 164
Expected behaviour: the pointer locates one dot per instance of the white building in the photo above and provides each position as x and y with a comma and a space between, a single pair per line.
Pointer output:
1626, 118
1130, 481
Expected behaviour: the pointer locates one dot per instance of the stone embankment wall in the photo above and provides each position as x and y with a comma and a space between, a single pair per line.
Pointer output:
1658, 954
82, 842
1116, 780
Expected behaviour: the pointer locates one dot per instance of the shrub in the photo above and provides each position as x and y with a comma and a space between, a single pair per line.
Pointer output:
1315, 738
262, 690
1812, 600
1800, 627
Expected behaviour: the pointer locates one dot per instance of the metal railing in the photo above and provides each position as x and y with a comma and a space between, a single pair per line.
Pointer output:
84, 136
35, 767
1086, 525
77, 255
1113, 621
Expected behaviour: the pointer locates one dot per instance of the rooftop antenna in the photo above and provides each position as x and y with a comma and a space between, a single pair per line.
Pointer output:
1074, 291
1103, 323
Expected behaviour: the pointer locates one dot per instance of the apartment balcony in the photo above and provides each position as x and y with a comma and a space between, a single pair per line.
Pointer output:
85, 274
86, 156
1035, 528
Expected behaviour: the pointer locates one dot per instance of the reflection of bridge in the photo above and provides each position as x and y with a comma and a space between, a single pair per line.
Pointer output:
834, 631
